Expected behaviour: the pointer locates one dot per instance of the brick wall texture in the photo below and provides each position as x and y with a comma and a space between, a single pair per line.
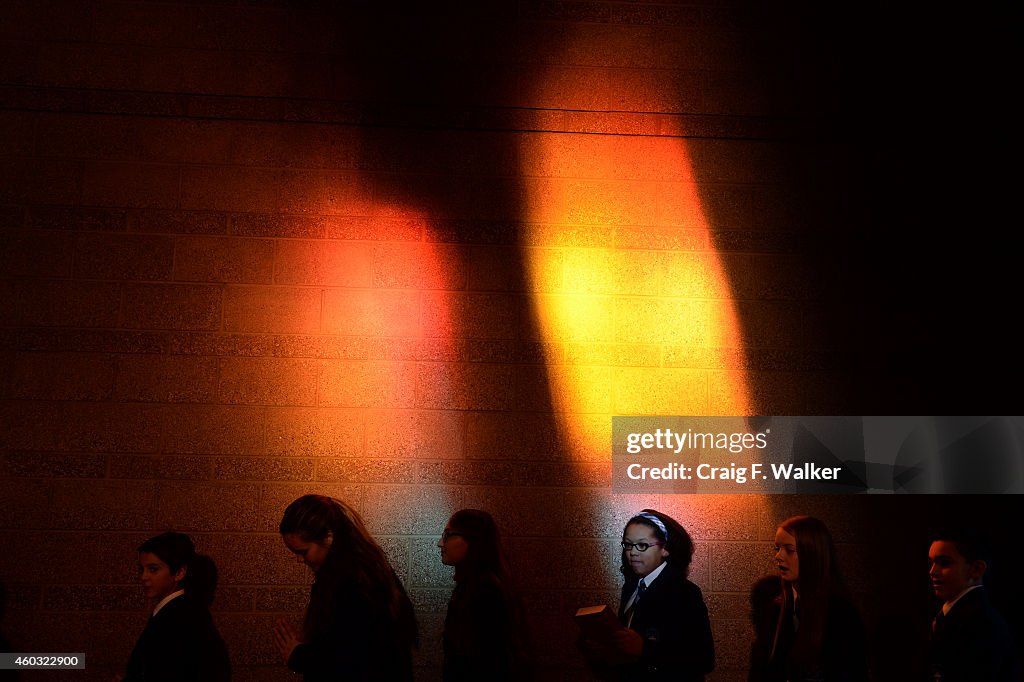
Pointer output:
417, 257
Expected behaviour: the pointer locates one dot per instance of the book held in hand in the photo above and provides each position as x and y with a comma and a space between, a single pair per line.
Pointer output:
597, 622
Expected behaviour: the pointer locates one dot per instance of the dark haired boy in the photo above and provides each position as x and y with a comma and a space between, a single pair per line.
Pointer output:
970, 640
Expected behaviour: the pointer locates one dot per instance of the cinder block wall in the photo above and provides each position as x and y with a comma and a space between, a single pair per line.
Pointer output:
251, 251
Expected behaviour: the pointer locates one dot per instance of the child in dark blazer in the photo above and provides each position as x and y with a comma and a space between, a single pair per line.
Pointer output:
180, 642
666, 633
484, 632
818, 634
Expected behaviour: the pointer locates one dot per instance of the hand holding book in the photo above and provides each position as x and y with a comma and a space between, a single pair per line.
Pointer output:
603, 640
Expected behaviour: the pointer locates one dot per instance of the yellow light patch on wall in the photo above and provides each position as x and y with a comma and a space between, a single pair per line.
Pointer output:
626, 280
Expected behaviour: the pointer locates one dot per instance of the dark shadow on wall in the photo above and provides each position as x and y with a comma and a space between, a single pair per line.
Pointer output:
892, 126
884, 133
891, 192
424, 75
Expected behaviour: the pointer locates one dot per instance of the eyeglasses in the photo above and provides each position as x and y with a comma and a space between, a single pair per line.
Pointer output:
450, 534
639, 546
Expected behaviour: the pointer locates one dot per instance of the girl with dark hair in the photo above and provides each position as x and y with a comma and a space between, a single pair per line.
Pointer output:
484, 637
666, 633
180, 642
818, 634
359, 624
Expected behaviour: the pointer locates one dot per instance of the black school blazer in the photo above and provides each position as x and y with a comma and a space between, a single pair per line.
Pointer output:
673, 620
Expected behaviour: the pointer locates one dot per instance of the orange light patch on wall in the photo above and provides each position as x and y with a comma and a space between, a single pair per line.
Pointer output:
627, 281
390, 340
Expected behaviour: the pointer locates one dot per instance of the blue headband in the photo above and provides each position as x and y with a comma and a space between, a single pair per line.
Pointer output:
656, 521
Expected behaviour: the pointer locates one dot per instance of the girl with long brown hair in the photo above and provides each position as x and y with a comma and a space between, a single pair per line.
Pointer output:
818, 634
359, 624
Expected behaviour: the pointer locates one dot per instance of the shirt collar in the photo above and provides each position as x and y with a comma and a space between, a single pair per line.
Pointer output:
648, 579
163, 602
952, 602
